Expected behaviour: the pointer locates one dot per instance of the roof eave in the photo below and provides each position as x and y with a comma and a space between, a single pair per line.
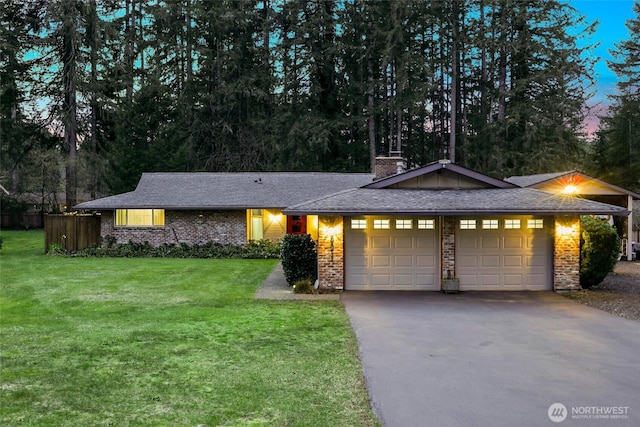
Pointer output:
355, 212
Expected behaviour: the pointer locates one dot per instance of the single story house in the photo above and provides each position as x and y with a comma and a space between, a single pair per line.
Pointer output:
200, 207
578, 184
400, 231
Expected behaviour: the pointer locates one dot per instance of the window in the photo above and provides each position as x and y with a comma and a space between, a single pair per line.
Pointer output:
404, 224
139, 217
358, 224
511, 224
535, 223
426, 224
381, 224
490, 224
467, 224
256, 228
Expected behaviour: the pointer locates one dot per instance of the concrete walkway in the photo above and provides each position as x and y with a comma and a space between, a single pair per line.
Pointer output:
275, 287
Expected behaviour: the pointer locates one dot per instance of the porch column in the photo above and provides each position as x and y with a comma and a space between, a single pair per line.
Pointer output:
566, 254
330, 253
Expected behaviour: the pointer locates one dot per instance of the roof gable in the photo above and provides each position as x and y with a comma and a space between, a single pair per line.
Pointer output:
583, 184
441, 175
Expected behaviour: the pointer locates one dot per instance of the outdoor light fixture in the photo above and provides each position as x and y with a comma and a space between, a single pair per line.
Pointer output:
331, 230
564, 230
275, 217
570, 189
332, 247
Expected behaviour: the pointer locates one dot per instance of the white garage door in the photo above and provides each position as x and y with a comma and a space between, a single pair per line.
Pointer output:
506, 253
391, 253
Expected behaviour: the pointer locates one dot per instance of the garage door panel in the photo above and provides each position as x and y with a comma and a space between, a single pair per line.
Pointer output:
467, 261
490, 261
426, 280
404, 279
403, 242
490, 242
403, 261
513, 261
426, 261
380, 279
513, 243
536, 261
490, 279
358, 280
378, 261
426, 242
508, 259
468, 281
513, 280
537, 281
388, 259
380, 242
359, 261
468, 242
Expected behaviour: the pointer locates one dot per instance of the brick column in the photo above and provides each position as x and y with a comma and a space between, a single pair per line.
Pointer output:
566, 254
448, 246
330, 253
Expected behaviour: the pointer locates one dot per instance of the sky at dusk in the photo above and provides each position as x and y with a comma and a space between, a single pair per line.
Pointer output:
611, 15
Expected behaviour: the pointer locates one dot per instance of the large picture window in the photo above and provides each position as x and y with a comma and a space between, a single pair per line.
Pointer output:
139, 217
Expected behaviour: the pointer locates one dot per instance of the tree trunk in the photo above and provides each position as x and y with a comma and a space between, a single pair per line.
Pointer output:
69, 57
454, 81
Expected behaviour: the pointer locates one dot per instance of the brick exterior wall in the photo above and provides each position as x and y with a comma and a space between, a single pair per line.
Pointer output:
190, 227
448, 246
330, 263
566, 254
387, 166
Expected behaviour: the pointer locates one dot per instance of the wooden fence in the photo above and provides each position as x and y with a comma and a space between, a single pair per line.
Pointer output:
23, 221
71, 232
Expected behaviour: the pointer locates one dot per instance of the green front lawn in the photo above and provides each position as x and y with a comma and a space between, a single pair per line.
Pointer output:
167, 342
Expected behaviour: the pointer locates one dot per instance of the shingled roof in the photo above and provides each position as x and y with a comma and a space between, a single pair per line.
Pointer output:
226, 191
498, 201
540, 180
529, 180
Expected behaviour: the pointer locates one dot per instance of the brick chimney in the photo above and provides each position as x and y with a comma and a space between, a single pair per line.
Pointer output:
387, 166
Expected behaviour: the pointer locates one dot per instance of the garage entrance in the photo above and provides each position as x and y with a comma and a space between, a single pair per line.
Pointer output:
504, 253
391, 253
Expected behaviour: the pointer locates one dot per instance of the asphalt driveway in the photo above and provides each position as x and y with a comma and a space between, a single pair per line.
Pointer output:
495, 359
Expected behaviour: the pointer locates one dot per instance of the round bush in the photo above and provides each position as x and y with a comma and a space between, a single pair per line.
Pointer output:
299, 258
599, 251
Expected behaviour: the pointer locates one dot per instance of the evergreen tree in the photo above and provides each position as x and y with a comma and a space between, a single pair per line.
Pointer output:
616, 150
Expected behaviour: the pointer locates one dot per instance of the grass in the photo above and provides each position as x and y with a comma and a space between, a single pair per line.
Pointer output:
167, 342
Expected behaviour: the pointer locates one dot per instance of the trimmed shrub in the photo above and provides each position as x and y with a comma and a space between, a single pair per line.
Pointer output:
599, 250
252, 250
299, 258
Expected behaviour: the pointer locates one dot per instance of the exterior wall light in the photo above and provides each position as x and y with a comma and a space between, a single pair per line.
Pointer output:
570, 189
275, 218
564, 230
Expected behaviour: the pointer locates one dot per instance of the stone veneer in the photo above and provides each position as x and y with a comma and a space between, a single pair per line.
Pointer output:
330, 262
566, 254
189, 227
448, 246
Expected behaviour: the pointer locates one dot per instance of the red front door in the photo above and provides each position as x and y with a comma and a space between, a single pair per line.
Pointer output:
297, 224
